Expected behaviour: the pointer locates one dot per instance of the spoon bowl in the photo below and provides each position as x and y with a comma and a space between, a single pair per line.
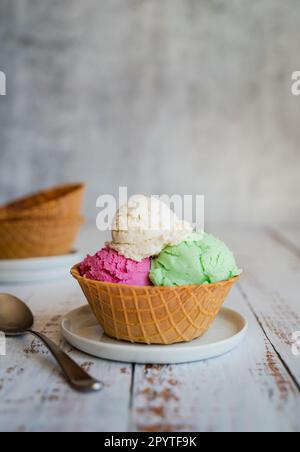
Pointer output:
15, 316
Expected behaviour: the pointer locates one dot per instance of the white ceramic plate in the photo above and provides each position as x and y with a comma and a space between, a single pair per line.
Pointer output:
37, 269
81, 330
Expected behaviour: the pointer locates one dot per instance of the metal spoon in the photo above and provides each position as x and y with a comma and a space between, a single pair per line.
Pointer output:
16, 319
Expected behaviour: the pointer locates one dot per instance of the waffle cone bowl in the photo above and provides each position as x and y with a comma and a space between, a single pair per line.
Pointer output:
37, 237
154, 315
63, 201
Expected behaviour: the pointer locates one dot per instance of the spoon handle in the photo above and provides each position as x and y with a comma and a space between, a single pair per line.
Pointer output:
76, 376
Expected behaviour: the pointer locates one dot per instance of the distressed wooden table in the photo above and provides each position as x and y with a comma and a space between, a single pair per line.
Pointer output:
254, 388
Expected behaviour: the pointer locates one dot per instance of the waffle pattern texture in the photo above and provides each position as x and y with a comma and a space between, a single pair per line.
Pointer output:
154, 315
41, 225
63, 201
20, 239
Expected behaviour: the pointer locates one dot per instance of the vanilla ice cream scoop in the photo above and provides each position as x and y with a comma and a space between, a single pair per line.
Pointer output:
144, 227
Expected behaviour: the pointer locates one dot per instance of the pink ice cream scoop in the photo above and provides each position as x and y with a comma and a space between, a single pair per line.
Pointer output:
109, 266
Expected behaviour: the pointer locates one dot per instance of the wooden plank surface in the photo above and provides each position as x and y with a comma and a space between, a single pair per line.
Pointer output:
34, 395
253, 388
245, 390
271, 289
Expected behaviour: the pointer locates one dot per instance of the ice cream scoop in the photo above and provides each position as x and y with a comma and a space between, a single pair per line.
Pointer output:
200, 259
144, 226
109, 266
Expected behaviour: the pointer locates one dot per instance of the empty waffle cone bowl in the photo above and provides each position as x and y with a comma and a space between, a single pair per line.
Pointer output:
38, 237
154, 315
61, 201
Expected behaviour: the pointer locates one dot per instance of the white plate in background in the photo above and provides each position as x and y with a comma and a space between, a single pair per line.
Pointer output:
81, 330
37, 269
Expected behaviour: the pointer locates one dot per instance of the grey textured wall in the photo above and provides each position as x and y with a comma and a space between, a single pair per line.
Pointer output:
165, 96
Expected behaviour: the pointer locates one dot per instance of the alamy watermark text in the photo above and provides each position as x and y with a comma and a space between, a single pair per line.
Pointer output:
187, 207
296, 83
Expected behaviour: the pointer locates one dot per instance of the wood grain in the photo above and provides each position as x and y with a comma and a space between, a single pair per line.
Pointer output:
248, 389
270, 287
33, 393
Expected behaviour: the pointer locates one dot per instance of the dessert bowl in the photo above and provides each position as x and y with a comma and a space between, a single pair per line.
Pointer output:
154, 314
63, 201
38, 237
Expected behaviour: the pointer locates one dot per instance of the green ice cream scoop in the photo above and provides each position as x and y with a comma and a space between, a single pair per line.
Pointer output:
201, 259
